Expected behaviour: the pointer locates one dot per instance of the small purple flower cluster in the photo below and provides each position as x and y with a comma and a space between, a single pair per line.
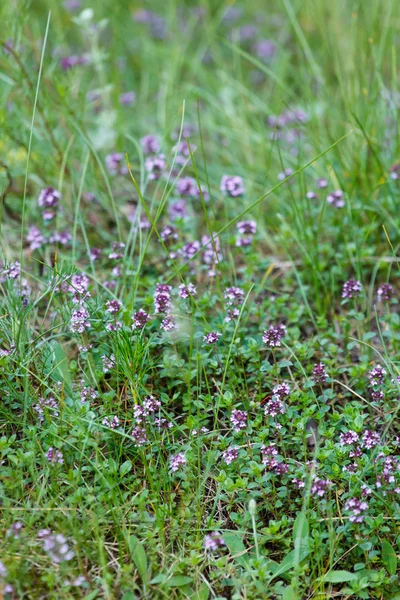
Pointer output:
232, 185
49, 199
272, 337
247, 231
336, 199
177, 462
56, 546
239, 420
213, 541
319, 373
351, 289
356, 508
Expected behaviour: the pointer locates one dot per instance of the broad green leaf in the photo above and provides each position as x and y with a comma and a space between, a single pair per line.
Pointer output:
289, 594
125, 467
301, 528
339, 577
138, 556
236, 548
290, 560
178, 581
389, 557
202, 593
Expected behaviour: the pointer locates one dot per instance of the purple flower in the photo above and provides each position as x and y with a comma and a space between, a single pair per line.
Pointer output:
56, 546
322, 183
377, 375
231, 315
49, 198
116, 253
348, 438
336, 199
232, 185
351, 289
80, 320
264, 49
150, 144
190, 249
282, 390
111, 422
385, 292
108, 363
46, 404
234, 296
15, 530
274, 407
60, 237
230, 454
177, 461
319, 373
140, 318
212, 337
54, 456
187, 186
113, 307
272, 337
320, 487
139, 436
285, 174
213, 541
169, 233
68, 62
127, 98
115, 164
155, 166
177, 209
162, 298
35, 238
246, 227
186, 291
151, 404
356, 507
370, 439
169, 323
239, 419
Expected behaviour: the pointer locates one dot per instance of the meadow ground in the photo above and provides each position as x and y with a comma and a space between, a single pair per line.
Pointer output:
199, 322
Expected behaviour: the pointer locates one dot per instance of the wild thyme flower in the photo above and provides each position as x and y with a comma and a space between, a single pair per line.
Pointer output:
319, 373
190, 249
56, 546
377, 396
213, 541
87, 394
60, 237
54, 456
139, 436
348, 438
322, 183
212, 337
176, 462
272, 337
80, 320
169, 233
232, 185
230, 454
46, 404
285, 174
269, 456
351, 289
370, 439
162, 423
282, 390
49, 198
111, 422
117, 252
150, 144
108, 363
155, 166
127, 98
79, 283
140, 318
116, 164
385, 292
239, 419
14, 530
35, 238
177, 209
113, 306
274, 407
231, 315
356, 507
151, 404
264, 49
187, 186
187, 291
377, 375
299, 483
320, 487
336, 199
169, 323
246, 227
234, 296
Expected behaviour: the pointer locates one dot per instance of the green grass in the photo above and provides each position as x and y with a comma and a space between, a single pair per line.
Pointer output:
134, 527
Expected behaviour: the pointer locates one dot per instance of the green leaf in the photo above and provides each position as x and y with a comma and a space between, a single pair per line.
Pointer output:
92, 595
202, 593
129, 596
236, 548
138, 556
125, 467
289, 594
291, 559
178, 581
301, 528
339, 577
389, 557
